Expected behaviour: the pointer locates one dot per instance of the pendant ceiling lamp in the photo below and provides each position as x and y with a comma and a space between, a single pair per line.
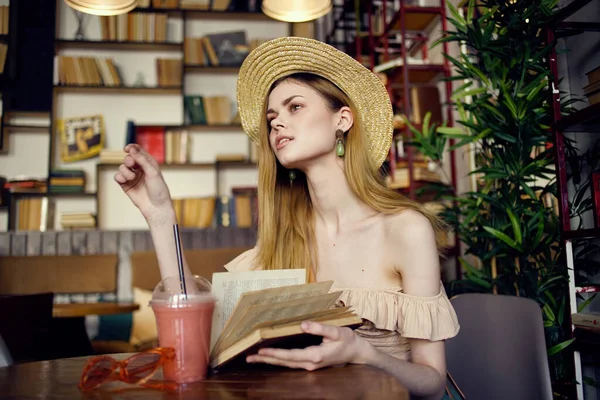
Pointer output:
102, 7
296, 10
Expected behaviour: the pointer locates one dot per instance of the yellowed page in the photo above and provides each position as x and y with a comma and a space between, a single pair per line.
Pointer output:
262, 313
228, 287
271, 296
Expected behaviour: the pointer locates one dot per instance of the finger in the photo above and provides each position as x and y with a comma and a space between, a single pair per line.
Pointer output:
126, 172
143, 159
312, 354
120, 178
327, 331
282, 363
130, 162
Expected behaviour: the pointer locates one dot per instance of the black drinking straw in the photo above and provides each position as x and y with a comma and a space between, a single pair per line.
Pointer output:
179, 259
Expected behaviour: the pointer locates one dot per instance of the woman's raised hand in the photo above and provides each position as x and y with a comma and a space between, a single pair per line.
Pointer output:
140, 178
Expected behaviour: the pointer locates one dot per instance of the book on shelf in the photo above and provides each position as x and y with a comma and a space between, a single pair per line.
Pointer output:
165, 3
3, 52
178, 146
224, 157
88, 71
257, 309
240, 209
134, 27
208, 110
245, 200
193, 51
166, 145
168, 72
200, 5
152, 139
4, 19
33, 214
220, 5
78, 220
66, 181
26, 185
227, 49
195, 212
112, 156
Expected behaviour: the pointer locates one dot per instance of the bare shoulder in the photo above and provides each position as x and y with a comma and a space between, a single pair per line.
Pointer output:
408, 227
411, 244
243, 262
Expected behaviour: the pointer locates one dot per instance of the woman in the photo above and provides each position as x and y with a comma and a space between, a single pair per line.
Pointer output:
323, 124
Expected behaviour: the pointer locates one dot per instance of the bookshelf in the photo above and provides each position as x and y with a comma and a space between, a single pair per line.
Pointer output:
151, 105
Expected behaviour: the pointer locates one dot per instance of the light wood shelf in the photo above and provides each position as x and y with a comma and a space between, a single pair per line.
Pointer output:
61, 44
205, 69
27, 128
118, 89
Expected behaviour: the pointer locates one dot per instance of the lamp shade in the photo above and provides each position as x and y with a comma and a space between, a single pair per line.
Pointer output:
102, 7
296, 10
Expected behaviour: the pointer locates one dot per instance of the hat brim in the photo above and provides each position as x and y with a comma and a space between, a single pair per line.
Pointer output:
288, 55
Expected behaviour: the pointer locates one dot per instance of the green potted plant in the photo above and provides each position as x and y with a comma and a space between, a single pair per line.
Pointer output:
508, 224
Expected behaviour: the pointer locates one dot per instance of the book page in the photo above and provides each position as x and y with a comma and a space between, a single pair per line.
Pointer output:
262, 313
228, 287
273, 296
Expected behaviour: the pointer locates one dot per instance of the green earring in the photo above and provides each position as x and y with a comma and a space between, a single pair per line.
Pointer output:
340, 150
292, 175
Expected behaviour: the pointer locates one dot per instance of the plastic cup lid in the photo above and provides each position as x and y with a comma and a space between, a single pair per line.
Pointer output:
169, 291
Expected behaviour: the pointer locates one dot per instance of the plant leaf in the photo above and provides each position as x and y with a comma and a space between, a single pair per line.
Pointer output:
501, 236
583, 305
560, 347
516, 226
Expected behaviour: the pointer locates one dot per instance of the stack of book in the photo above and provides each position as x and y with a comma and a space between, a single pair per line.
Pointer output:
26, 185
112, 156
66, 181
77, 220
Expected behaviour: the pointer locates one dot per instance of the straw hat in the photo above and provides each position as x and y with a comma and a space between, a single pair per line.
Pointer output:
287, 55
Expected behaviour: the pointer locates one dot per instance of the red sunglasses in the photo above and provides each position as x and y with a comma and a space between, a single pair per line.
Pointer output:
136, 370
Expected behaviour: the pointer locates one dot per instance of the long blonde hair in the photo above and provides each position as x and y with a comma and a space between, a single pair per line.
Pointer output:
286, 221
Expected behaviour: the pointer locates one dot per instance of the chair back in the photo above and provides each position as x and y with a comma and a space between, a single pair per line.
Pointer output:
26, 326
500, 351
58, 274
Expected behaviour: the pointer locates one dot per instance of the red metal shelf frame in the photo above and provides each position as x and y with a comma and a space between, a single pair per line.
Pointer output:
413, 27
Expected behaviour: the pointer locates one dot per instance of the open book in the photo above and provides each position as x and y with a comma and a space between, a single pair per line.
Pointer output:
258, 309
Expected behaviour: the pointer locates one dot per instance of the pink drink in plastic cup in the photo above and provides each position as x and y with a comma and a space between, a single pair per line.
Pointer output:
184, 323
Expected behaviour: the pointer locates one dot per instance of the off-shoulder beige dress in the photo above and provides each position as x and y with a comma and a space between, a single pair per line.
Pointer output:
390, 316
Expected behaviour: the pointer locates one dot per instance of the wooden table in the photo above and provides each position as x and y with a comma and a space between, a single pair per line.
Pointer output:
59, 378
71, 310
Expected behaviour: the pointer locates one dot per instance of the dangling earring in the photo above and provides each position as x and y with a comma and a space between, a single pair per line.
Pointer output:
292, 175
340, 150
